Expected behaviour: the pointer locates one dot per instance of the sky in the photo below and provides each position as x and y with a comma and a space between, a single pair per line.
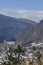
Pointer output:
29, 9
22, 4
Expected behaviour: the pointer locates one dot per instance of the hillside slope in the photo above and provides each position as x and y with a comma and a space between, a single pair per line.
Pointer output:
33, 34
10, 27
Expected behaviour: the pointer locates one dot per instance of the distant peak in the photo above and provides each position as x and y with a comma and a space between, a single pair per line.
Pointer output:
41, 21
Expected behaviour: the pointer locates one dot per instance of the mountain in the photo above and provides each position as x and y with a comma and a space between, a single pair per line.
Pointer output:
33, 34
10, 27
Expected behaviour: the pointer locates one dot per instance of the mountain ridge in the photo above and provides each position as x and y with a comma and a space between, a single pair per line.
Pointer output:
33, 34
10, 27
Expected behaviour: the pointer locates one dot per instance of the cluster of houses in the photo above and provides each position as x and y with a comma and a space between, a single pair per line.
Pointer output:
29, 51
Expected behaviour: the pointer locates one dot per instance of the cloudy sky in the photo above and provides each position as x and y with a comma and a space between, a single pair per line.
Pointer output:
29, 9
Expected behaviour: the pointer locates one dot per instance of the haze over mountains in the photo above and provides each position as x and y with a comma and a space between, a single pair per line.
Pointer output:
35, 15
10, 27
